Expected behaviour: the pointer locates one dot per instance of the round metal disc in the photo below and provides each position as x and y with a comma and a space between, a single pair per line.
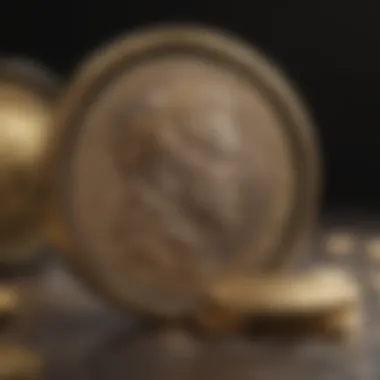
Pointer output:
183, 156
27, 93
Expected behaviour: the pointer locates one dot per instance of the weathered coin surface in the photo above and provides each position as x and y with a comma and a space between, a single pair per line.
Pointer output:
27, 95
183, 156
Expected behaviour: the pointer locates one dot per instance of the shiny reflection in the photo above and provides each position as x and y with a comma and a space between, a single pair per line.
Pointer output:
26, 105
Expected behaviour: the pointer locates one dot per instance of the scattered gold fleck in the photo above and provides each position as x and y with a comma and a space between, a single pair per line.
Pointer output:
375, 281
9, 299
339, 244
373, 249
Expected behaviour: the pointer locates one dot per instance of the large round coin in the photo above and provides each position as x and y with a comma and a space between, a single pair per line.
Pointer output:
183, 157
27, 95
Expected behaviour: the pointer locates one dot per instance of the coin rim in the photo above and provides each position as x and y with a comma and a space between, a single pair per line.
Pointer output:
95, 72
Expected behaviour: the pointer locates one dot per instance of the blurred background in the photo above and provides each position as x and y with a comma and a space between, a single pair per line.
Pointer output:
329, 48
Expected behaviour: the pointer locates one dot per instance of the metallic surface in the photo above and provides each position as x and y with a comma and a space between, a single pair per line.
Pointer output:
27, 95
80, 338
183, 157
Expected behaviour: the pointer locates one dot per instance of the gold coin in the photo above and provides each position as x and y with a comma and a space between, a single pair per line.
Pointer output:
183, 156
27, 95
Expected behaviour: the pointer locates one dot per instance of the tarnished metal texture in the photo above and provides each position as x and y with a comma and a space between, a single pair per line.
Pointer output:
27, 96
183, 157
83, 340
